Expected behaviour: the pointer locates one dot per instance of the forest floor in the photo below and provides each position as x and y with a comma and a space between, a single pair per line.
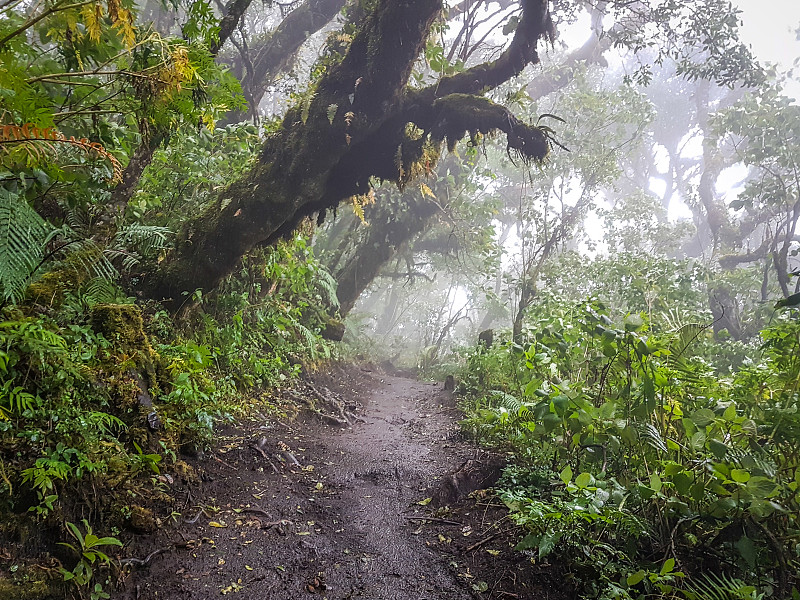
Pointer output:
349, 520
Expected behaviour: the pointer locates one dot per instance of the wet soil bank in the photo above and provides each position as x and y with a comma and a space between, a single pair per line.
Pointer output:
344, 521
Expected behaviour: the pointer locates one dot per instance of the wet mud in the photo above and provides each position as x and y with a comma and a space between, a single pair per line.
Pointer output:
343, 514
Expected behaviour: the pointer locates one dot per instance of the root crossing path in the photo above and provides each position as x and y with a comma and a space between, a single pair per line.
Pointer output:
343, 521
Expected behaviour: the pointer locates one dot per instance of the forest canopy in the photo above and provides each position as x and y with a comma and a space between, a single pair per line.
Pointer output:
586, 212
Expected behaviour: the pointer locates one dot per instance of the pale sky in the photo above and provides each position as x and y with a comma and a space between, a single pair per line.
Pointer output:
769, 27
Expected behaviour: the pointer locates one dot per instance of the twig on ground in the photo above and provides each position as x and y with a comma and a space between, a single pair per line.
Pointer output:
196, 517
138, 562
434, 520
219, 460
480, 543
493, 525
266, 457
257, 511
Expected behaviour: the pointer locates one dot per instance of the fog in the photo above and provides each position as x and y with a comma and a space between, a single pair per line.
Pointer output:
649, 164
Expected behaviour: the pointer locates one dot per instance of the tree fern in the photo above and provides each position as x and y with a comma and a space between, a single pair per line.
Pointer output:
23, 235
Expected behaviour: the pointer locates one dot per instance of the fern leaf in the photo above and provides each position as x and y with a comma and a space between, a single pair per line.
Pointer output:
23, 235
146, 240
651, 435
326, 284
99, 290
723, 587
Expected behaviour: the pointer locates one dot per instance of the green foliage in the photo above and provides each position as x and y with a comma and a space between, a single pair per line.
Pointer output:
184, 177
90, 558
23, 234
649, 452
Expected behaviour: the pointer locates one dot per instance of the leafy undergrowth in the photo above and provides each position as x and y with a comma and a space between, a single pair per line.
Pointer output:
637, 464
100, 396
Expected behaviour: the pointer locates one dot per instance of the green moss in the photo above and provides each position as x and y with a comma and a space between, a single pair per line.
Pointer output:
142, 520
26, 586
123, 326
68, 275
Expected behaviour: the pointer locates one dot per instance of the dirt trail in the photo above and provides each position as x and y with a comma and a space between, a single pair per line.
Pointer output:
336, 525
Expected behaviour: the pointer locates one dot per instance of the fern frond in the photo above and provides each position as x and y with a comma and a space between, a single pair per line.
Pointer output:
326, 285
685, 336
105, 422
757, 458
126, 260
99, 291
144, 239
79, 220
35, 139
519, 409
308, 337
651, 435
23, 235
85, 256
723, 587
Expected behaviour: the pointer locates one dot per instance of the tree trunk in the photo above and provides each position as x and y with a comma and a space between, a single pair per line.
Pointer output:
313, 162
271, 57
390, 228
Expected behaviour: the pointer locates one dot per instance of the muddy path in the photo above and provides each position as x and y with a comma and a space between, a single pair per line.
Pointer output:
344, 522
335, 524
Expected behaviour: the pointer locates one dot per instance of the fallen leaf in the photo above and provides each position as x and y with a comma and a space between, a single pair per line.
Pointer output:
424, 502
217, 524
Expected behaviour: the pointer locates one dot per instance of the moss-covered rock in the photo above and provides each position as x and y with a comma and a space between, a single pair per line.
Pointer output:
123, 326
142, 520
186, 472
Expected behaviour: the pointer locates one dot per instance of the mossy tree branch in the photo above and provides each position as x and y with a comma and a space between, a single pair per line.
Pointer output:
271, 57
348, 131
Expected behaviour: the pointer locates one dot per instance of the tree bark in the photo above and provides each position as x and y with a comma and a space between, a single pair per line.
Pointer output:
390, 228
234, 11
271, 57
312, 163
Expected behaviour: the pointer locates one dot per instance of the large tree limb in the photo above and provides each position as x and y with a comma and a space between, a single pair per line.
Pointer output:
271, 57
535, 24
234, 11
328, 149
